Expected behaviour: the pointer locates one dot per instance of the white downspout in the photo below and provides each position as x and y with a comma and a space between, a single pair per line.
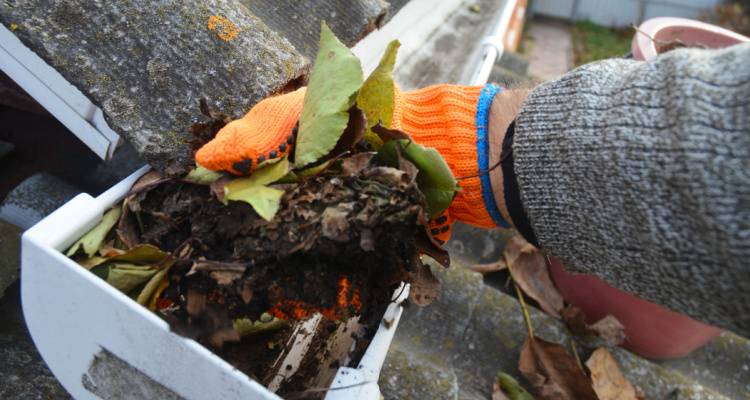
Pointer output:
493, 45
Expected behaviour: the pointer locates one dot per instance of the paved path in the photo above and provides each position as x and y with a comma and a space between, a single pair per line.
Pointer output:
552, 50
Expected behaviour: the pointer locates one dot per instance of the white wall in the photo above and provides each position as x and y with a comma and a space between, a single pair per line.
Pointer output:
621, 12
553, 8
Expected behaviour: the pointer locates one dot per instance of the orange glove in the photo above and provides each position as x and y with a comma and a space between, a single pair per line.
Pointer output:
450, 118
267, 131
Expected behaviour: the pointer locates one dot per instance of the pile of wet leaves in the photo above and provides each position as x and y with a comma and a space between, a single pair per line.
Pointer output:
328, 231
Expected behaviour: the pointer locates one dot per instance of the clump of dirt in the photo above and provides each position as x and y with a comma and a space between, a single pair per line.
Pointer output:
337, 243
254, 355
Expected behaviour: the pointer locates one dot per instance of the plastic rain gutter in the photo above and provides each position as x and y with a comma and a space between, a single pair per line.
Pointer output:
493, 45
63, 100
96, 317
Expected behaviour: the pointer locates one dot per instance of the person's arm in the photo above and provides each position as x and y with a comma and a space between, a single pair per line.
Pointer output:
639, 173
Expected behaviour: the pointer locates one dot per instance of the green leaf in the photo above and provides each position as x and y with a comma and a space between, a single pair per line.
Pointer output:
266, 323
334, 81
290, 177
269, 162
314, 171
376, 98
435, 179
203, 176
101, 271
126, 277
266, 174
512, 388
252, 190
94, 238
265, 200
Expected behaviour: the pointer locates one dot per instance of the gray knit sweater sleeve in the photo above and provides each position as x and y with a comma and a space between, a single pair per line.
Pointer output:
639, 173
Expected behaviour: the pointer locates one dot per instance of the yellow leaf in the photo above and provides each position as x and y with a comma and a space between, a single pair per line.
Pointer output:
94, 238
252, 190
376, 98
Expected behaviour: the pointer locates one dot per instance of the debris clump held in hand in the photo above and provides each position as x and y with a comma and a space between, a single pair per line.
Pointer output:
330, 229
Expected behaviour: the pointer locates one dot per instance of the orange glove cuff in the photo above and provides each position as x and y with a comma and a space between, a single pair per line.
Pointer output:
444, 117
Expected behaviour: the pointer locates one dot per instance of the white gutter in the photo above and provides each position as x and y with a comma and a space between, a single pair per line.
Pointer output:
63, 100
494, 45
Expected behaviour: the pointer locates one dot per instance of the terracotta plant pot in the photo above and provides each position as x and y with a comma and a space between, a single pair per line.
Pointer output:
659, 35
652, 330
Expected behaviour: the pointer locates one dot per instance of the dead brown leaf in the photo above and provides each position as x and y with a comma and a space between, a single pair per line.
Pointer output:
196, 302
366, 240
608, 328
247, 292
387, 135
354, 132
217, 188
407, 166
149, 178
210, 266
553, 373
127, 229
489, 267
204, 131
516, 246
224, 273
575, 320
176, 169
145, 183
108, 250
428, 245
353, 165
425, 287
334, 224
529, 270
608, 381
225, 277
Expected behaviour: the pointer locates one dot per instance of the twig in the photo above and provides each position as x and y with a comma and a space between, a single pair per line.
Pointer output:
481, 173
489, 267
575, 352
525, 310
666, 42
